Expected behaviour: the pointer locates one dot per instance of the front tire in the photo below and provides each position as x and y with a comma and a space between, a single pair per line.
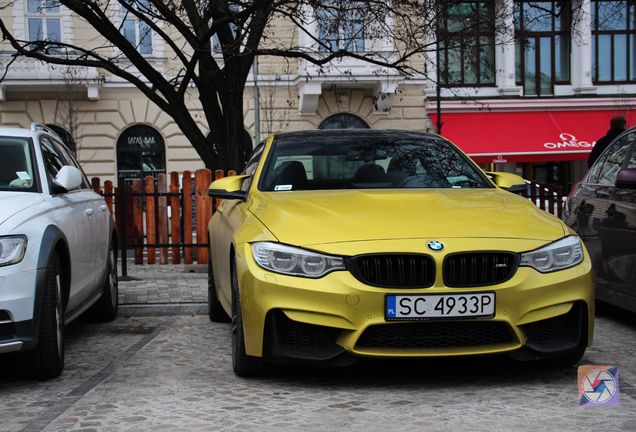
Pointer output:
216, 313
243, 364
107, 306
47, 358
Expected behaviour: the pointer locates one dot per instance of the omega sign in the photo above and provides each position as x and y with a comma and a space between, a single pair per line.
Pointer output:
568, 141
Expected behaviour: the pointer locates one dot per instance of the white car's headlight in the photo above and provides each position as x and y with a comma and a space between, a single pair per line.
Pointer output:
559, 255
294, 261
12, 249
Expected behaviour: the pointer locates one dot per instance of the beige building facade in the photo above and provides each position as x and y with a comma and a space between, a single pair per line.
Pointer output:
96, 110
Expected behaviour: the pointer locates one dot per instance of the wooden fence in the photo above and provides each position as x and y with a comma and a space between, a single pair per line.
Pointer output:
547, 197
167, 217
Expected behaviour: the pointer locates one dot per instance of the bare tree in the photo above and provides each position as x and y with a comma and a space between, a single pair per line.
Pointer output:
68, 108
243, 29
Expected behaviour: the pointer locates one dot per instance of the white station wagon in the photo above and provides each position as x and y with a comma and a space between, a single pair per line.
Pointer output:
57, 248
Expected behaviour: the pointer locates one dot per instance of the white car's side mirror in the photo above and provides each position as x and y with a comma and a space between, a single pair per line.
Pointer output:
69, 178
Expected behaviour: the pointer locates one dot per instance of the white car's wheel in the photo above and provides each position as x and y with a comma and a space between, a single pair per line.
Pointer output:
48, 356
107, 306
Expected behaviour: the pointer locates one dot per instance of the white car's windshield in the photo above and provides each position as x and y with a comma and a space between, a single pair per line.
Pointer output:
382, 160
16, 165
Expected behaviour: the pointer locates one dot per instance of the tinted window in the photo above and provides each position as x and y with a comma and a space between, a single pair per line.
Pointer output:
632, 161
367, 161
70, 160
609, 164
16, 165
53, 161
252, 164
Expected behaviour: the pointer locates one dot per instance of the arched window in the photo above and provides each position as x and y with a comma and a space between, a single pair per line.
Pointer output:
343, 121
66, 136
141, 151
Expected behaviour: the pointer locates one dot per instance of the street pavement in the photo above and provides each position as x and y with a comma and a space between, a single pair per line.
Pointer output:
173, 373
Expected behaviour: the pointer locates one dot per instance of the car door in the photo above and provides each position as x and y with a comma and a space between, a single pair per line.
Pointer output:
73, 213
100, 220
596, 212
229, 216
618, 235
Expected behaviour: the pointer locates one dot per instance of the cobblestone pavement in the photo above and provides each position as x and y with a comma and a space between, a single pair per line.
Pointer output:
174, 374
163, 284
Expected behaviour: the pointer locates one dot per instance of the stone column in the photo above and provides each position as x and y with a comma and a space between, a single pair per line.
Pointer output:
582, 48
505, 48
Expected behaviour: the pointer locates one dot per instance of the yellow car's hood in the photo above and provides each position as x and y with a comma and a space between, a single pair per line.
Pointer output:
313, 217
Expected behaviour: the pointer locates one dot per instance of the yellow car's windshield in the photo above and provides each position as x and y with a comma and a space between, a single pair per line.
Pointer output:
367, 161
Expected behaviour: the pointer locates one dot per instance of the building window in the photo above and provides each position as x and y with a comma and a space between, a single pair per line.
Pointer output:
136, 31
542, 45
614, 41
141, 151
44, 20
341, 28
466, 42
216, 42
343, 121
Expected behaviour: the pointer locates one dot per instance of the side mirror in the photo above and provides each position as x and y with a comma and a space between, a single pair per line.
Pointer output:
68, 178
508, 181
228, 188
626, 178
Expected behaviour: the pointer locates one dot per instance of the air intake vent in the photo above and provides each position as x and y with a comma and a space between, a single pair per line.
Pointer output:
393, 270
479, 268
437, 335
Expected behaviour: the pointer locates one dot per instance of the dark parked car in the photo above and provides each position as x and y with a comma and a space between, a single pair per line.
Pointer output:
602, 210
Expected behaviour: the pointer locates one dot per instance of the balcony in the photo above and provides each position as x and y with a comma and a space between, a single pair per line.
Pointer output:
27, 74
345, 72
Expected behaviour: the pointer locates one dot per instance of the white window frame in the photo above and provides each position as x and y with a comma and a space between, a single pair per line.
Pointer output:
44, 15
343, 40
127, 16
21, 15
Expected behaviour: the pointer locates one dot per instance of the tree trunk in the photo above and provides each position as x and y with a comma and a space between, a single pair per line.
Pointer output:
234, 146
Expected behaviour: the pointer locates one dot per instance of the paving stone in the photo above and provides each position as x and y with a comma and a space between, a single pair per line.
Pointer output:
174, 373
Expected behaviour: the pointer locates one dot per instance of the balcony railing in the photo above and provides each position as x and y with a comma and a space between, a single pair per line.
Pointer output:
25, 73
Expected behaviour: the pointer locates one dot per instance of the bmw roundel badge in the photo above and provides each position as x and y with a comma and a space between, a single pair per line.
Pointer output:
435, 246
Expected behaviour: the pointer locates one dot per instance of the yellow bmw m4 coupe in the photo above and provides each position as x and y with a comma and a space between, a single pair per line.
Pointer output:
336, 245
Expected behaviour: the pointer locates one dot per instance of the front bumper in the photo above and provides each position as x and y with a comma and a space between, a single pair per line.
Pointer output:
18, 299
338, 316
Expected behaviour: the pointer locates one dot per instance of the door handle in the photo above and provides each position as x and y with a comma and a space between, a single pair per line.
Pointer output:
103, 208
88, 211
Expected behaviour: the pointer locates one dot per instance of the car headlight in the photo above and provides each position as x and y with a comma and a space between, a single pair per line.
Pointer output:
12, 249
294, 261
559, 255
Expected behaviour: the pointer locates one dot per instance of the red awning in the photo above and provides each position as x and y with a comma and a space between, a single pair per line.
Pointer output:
529, 136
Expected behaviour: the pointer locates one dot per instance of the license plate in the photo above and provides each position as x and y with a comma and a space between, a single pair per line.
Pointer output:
429, 306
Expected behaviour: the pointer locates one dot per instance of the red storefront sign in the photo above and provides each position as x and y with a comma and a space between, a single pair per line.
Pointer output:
529, 136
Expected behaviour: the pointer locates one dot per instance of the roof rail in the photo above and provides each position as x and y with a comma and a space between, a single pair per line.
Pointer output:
35, 126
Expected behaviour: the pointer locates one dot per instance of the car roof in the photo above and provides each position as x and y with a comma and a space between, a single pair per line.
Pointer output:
16, 132
375, 133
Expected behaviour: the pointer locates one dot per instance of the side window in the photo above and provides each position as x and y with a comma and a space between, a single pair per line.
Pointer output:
631, 163
53, 161
612, 160
70, 160
252, 164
